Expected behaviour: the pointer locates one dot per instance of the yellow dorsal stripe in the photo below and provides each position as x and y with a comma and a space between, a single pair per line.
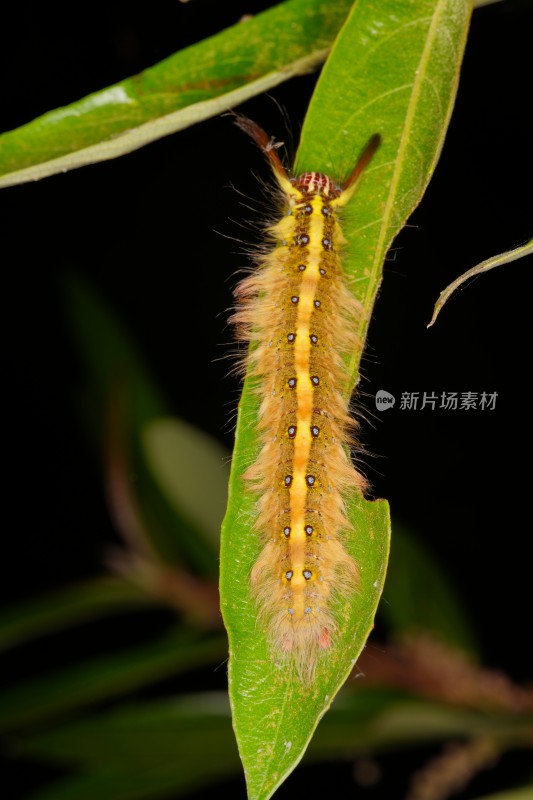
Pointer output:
304, 411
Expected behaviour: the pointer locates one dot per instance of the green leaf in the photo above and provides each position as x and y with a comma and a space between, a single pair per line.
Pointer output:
414, 573
70, 606
485, 266
275, 719
48, 696
194, 84
393, 71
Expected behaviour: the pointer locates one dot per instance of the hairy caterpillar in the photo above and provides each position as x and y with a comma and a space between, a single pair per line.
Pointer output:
299, 317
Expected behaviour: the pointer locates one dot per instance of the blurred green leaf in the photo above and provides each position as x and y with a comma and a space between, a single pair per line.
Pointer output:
194, 84
413, 574
141, 734
166, 780
69, 606
146, 750
157, 748
192, 470
119, 391
48, 696
112, 359
523, 793
393, 70
379, 719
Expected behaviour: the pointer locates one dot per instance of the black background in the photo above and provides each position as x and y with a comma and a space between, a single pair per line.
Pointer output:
153, 233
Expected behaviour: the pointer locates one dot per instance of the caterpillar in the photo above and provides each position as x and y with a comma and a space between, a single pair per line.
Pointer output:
299, 319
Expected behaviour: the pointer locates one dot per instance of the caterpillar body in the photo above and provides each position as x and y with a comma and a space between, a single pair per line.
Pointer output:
300, 320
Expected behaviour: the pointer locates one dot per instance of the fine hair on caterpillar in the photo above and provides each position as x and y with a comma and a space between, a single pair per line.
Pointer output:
300, 320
